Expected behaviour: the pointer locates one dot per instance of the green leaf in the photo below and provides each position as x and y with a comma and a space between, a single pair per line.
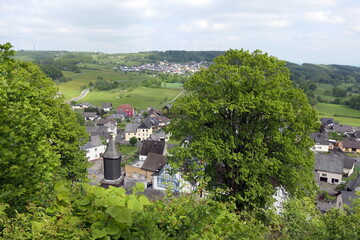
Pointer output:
144, 200
135, 205
98, 233
112, 228
124, 216
84, 201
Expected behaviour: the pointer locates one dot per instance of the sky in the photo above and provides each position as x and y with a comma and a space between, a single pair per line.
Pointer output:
299, 31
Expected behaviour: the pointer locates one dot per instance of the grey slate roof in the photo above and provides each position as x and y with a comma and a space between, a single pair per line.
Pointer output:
329, 163
347, 197
352, 184
106, 105
350, 144
349, 162
357, 134
154, 162
320, 138
95, 141
111, 151
343, 128
89, 114
151, 146
327, 121
131, 127
158, 136
145, 125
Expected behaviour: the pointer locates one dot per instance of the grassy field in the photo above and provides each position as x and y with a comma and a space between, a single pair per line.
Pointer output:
140, 97
74, 87
340, 113
322, 87
172, 85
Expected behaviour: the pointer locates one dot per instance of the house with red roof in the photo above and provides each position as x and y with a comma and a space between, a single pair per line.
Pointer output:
126, 108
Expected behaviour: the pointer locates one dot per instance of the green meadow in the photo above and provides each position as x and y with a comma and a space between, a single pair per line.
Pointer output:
341, 113
81, 80
139, 97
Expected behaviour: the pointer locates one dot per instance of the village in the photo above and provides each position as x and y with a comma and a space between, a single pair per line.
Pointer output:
336, 151
166, 67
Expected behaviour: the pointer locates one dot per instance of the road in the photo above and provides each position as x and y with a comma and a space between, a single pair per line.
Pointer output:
82, 95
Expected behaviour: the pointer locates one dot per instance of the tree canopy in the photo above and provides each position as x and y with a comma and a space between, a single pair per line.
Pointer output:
40, 136
249, 129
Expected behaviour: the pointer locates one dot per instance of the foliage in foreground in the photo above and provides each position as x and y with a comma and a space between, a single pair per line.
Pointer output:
40, 136
249, 129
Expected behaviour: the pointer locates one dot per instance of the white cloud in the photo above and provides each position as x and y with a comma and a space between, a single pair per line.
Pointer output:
202, 25
323, 17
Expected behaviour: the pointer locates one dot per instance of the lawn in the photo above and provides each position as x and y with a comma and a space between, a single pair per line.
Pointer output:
140, 97
128, 150
340, 113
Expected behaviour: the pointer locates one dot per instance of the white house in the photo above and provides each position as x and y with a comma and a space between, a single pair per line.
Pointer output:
94, 148
107, 107
321, 143
329, 168
164, 180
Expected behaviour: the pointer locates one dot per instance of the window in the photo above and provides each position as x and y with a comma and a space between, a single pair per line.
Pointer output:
95, 149
324, 174
334, 180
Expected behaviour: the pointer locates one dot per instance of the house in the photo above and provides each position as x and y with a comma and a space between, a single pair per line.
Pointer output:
158, 121
94, 148
165, 180
106, 122
342, 129
145, 169
321, 143
349, 193
151, 146
118, 116
349, 146
327, 121
82, 106
156, 118
90, 116
329, 168
348, 166
141, 131
107, 107
103, 131
357, 135
126, 108
159, 136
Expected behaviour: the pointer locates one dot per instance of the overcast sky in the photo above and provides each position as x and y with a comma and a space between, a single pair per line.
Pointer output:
312, 31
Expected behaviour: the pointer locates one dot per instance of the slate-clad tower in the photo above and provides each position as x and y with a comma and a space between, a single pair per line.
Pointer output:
112, 161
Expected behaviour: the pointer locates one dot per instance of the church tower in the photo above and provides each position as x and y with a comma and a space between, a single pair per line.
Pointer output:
112, 164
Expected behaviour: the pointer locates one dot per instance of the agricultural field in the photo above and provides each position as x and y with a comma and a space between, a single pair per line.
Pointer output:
80, 80
172, 85
139, 97
322, 87
340, 113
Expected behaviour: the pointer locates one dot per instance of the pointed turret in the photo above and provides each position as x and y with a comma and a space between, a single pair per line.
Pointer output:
112, 161
112, 152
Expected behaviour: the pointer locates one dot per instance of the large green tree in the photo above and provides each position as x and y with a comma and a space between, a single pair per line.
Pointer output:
40, 136
249, 129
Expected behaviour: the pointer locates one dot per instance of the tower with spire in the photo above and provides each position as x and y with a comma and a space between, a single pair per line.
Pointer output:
112, 164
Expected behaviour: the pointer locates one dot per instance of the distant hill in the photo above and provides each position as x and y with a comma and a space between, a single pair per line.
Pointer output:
330, 74
185, 56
